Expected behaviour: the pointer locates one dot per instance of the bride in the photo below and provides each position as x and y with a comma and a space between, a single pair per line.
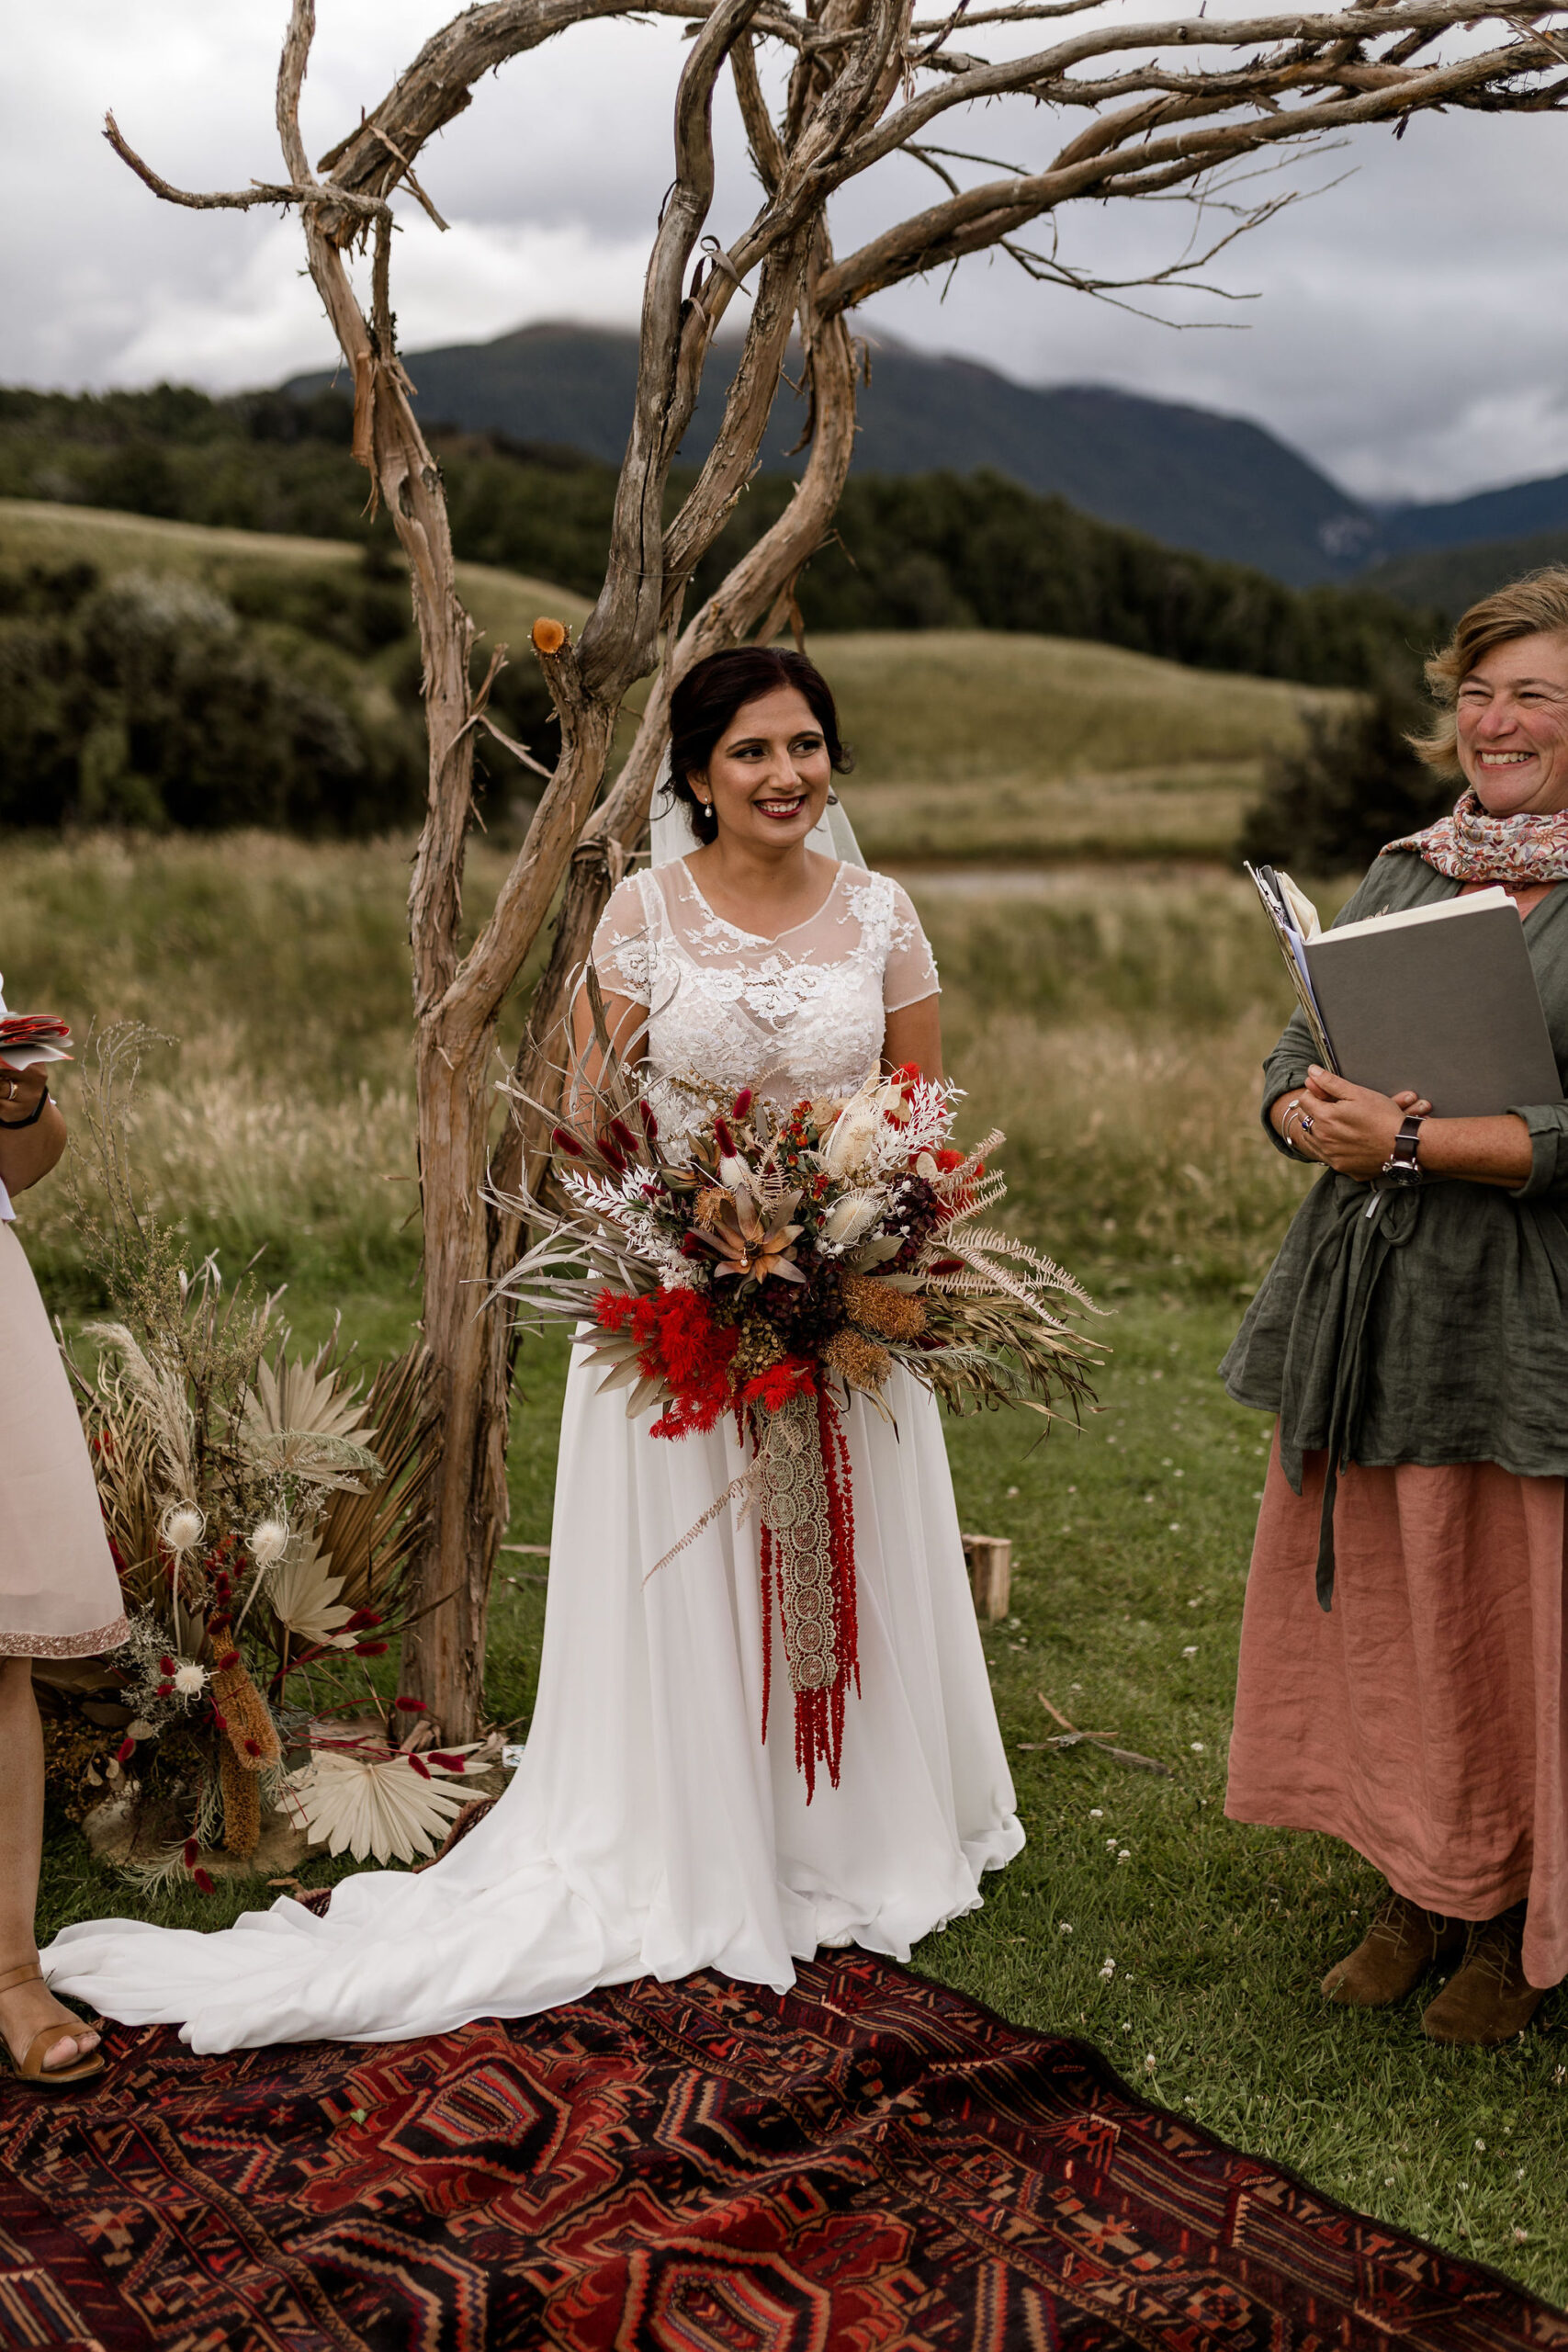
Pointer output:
648, 1827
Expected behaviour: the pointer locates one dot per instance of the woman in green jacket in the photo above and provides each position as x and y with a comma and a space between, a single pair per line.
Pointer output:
1403, 1681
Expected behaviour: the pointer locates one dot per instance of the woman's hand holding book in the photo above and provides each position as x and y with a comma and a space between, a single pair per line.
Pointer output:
1347, 1127
1352, 1129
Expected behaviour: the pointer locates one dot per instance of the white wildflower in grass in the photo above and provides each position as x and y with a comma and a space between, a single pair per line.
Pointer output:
183, 1528
1096, 1812
1124, 1856
1190, 1651
1065, 1928
268, 1542
1480, 2147
1150, 2063
190, 1680
1107, 1969
1197, 1746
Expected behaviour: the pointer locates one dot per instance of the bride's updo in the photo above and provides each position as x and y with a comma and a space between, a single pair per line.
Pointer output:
707, 698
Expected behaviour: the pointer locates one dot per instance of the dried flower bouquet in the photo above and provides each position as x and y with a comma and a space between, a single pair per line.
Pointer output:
771, 1266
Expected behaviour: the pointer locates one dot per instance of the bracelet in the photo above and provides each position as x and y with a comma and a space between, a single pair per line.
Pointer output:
14, 1126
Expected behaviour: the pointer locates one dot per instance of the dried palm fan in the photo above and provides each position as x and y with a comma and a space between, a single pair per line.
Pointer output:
368, 1537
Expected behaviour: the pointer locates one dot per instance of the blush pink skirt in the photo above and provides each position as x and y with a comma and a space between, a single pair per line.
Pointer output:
59, 1594
1422, 1719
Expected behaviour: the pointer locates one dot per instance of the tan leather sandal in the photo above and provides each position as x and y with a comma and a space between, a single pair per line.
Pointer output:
29, 2067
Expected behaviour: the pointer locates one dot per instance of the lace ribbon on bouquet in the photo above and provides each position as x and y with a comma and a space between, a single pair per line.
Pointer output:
808, 1561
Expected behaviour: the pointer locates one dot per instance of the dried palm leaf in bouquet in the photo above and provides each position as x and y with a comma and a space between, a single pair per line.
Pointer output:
717, 1258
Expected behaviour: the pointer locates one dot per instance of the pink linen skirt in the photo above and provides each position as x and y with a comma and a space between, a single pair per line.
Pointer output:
1422, 1720
59, 1594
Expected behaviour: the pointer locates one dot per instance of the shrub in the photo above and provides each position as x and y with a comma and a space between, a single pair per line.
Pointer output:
1352, 786
146, 701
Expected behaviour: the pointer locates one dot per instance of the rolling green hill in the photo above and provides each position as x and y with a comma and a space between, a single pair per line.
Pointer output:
970, 744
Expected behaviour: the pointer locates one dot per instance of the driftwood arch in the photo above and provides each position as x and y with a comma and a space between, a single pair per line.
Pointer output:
1162, 105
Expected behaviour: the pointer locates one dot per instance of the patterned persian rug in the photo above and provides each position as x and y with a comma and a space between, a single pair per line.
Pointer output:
870, 2161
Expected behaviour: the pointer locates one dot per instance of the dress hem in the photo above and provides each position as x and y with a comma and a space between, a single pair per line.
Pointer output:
104, 1637
1403, 1881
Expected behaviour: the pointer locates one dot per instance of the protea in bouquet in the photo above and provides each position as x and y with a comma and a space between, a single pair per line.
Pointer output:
723, 1258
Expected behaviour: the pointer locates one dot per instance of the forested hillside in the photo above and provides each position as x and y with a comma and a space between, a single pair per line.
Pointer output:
926, 552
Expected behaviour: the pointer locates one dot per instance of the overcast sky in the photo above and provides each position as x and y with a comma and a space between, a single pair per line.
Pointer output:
1408, 331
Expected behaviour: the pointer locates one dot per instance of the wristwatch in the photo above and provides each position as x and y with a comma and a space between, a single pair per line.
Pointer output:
1401, 1167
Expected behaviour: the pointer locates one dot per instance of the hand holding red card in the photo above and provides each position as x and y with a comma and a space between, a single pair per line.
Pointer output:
26, 1038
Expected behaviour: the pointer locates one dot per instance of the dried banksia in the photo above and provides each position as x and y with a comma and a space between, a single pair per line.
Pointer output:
242, 1801
247, 1719
857, 1359
710, 1204
895, 1313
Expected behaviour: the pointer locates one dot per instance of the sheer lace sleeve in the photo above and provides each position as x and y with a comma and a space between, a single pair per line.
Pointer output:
625, 943
909, 974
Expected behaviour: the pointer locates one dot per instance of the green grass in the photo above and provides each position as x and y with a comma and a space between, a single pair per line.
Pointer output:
1113, 1023
1220, 1933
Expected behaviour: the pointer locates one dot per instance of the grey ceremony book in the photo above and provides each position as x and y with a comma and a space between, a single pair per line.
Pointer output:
1439, 998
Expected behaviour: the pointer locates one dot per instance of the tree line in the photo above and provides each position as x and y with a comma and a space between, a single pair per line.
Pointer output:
917, 552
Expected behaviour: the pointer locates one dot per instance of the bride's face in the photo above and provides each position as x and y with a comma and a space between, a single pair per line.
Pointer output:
770, 772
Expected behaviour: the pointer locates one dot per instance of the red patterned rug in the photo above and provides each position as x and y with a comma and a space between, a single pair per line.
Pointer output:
870, 2161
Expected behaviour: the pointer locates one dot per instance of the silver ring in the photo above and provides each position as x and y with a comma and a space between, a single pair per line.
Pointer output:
1306, 1122
11, 1090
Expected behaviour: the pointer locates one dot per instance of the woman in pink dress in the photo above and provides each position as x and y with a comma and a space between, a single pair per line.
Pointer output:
59, 1594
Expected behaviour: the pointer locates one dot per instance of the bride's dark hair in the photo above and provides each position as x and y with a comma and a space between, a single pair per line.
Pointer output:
708, 698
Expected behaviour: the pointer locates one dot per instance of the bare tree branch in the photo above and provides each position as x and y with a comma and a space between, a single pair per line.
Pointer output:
1170, 112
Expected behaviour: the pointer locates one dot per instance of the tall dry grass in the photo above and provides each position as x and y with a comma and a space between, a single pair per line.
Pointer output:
1112, 1021
1115, 1025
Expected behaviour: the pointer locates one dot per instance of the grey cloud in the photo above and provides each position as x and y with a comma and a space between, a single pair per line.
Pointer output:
1407, 335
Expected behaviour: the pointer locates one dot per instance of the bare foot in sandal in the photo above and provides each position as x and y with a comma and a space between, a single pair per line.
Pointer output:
29, 2009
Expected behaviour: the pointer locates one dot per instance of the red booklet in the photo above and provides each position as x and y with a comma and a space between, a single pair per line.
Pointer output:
29, 1037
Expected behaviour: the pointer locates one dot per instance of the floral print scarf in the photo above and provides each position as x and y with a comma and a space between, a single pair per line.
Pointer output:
1471, 846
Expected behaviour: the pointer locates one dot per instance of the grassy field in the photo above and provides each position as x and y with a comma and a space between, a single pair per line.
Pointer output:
1058, 749
1113, 1024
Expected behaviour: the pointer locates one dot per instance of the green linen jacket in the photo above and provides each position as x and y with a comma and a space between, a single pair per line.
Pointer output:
1437, 1329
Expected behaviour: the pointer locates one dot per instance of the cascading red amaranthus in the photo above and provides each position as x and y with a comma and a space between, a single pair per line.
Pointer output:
808, 1565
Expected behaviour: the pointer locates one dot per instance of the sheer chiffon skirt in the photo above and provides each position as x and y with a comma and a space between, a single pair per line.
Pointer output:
649, 1828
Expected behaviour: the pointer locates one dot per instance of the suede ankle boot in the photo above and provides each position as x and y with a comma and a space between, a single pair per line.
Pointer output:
1487, 2000
1401, 1945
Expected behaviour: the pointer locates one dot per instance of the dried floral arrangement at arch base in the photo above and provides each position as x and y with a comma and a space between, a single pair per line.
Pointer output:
262, 1507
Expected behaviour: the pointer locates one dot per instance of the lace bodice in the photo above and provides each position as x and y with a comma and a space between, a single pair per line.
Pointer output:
803, 1013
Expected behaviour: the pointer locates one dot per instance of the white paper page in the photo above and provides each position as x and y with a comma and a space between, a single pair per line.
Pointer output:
1479, 902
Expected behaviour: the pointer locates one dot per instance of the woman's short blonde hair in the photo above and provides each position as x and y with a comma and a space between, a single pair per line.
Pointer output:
1536, 605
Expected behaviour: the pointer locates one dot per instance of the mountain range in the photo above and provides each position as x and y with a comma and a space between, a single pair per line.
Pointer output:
1190, 477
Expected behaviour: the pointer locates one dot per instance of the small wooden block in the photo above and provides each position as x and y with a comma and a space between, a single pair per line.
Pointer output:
989, 1559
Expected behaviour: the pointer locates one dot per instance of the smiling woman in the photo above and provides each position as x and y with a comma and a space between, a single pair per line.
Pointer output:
1414, 1346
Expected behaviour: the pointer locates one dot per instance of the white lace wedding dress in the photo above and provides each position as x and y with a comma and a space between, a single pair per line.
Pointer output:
649, 1828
